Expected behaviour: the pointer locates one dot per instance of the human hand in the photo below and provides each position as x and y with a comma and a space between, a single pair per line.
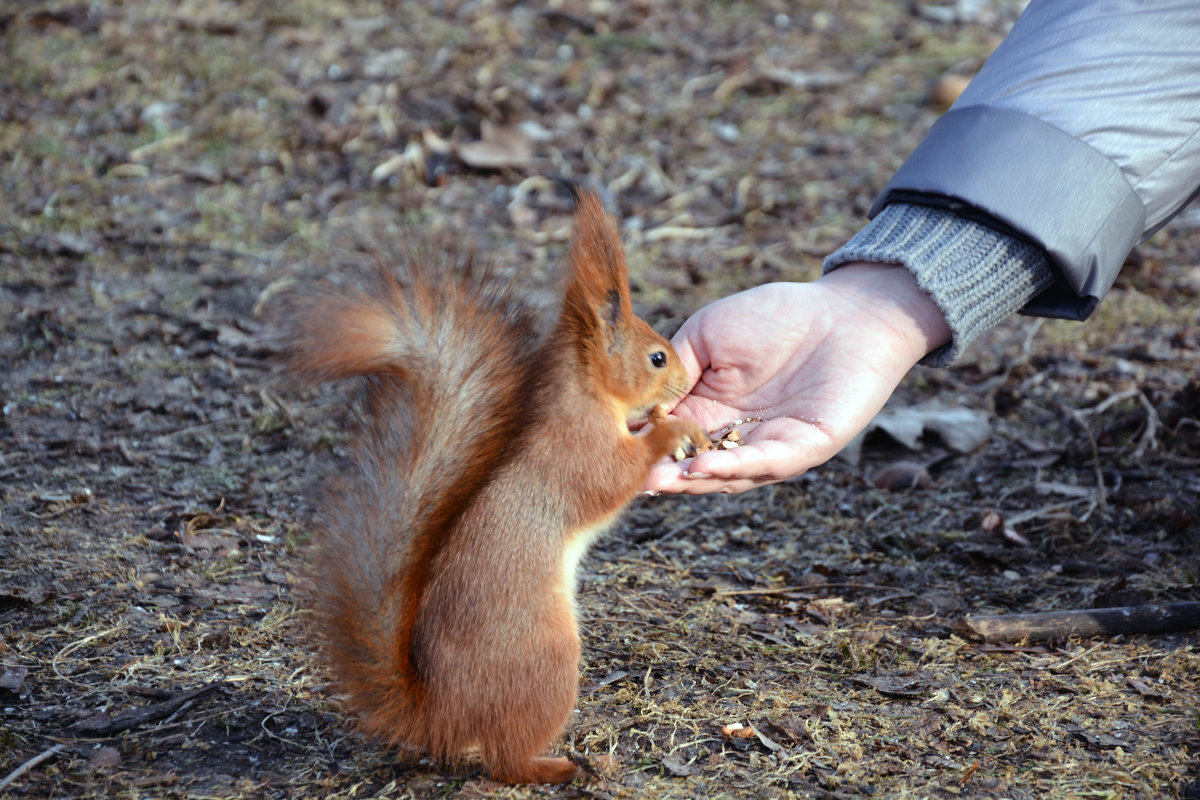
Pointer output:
814, 361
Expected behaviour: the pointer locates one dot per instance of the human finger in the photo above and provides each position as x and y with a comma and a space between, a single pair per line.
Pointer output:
730, 471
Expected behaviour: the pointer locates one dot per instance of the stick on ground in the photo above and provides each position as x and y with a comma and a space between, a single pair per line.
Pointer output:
103, 725
30, 764
1082, 622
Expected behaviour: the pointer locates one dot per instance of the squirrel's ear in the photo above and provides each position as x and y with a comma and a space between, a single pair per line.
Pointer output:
597, 296
612, 319
597, 259
612, 311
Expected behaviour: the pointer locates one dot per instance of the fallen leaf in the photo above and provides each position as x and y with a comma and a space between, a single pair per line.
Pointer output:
206, 544
1011, 535
1191, 280
499, 146
105, 758
767, 742
943, 762
606, 765
412, 159
790, 729
611, 677
233, 336
13, 678
1101, 740
892, 685
127, 170
1140, 686
34, 595
676, 767
962, 429
902, 476
248, 591
73, 244
434, 143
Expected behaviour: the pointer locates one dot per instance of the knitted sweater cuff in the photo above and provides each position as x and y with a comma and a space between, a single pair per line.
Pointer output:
977, 276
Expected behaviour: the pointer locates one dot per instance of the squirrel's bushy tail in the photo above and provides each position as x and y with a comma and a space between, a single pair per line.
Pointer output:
448, 356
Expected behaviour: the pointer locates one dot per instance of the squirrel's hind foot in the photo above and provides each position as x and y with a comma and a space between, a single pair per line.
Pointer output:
546, 769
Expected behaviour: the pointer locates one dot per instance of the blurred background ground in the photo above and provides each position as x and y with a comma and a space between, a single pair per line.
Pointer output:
167, 165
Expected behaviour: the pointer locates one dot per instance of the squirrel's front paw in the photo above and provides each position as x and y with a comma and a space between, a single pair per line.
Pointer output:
679, 438
693, 439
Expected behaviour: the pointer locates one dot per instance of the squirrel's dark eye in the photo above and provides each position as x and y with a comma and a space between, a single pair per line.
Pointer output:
658, 358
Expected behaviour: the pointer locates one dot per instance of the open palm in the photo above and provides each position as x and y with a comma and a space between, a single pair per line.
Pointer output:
813, 361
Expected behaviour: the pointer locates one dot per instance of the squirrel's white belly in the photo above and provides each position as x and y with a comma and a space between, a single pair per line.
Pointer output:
577, 545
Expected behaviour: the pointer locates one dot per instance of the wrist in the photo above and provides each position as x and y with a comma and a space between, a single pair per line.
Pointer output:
975, 274
890, 295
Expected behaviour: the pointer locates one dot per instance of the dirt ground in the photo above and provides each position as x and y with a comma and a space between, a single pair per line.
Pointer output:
167, 167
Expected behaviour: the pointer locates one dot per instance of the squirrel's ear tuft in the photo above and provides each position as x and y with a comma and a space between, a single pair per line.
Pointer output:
597, 263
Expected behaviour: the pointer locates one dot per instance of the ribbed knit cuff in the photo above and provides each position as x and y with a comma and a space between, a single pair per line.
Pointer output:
977, 276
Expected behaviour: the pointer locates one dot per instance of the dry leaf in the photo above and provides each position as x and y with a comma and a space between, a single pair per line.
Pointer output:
902, 476
105, 758
434, 143
13, 678
962, 429
606, 765
248, 591
612, 677
1101, 740
33, 595
392, 166
1013, 537
892, 685
207, 543
1143, 688
676, 767
499, 146
789, 729
767, 742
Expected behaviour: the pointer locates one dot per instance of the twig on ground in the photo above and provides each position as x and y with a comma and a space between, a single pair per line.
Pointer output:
103, 725
1149, 438
995, 382
1052, 511
72, 647
30, 764
1146, 619
1102, 495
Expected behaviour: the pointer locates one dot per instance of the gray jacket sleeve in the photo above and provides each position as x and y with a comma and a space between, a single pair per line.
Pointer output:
1080, 135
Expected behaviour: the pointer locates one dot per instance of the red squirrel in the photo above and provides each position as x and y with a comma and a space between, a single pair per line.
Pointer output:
490, 455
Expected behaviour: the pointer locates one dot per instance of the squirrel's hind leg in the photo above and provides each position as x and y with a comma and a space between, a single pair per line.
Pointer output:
511, 752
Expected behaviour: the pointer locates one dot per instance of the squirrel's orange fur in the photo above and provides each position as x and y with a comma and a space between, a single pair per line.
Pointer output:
489, 456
